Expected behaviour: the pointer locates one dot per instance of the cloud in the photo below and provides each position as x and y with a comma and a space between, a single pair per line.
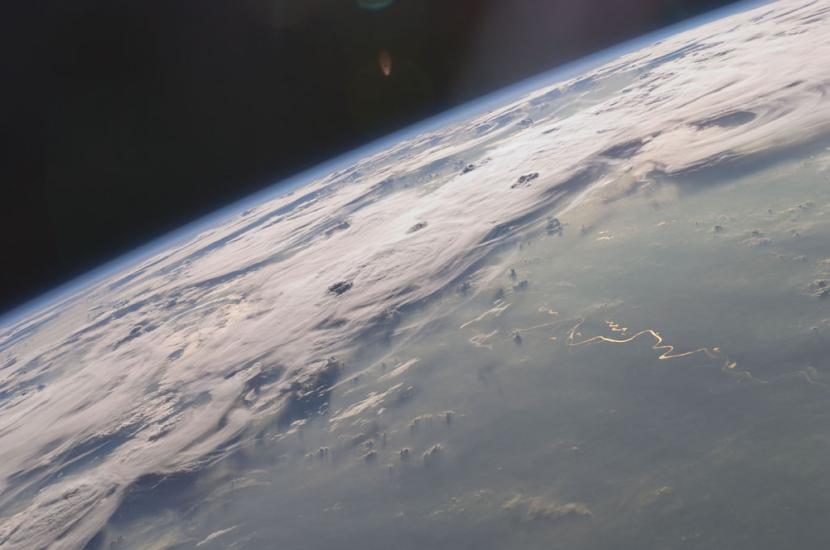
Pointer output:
540, 509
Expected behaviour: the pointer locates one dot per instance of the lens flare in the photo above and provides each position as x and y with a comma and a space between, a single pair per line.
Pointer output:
374, 5
385, 62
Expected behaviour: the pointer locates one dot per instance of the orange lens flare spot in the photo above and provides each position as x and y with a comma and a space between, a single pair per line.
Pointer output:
385, 62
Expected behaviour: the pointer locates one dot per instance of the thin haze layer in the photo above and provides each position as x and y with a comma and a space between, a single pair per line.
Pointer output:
176, 362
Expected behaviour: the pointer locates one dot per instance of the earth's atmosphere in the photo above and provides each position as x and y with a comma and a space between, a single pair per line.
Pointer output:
594, 317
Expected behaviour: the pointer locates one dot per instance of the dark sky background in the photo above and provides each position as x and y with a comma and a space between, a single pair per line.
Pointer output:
123, 119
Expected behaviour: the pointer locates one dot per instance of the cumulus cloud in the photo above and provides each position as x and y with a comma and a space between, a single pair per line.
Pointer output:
540, 509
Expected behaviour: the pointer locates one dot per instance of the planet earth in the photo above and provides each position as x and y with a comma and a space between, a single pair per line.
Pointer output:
591, 313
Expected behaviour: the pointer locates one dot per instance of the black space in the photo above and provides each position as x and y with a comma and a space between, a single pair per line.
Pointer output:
123, 119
